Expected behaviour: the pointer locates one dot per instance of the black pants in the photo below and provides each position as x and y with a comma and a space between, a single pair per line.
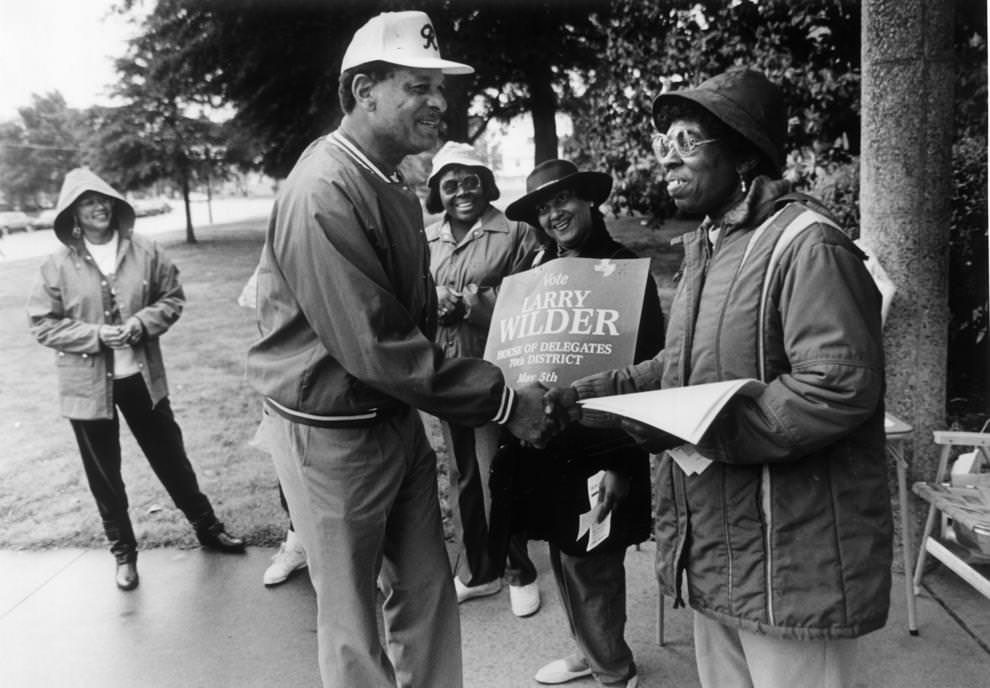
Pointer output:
160, 439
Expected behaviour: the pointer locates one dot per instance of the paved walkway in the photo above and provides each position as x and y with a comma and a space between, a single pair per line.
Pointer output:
204, 619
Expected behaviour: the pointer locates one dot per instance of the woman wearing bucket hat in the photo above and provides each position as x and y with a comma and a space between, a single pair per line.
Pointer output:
103, 300
553, 482
783, 542
472, 247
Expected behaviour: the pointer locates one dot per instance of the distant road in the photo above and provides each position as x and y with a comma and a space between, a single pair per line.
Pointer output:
42, 242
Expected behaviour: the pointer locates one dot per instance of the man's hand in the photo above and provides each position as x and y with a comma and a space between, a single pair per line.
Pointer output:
650, 438
612, 490
529, 420
561, 403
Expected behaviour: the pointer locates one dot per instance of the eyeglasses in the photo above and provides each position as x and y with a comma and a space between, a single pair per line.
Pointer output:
555, 201
682, 143
469, 182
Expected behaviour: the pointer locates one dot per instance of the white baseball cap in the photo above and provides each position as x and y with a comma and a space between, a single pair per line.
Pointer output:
407, 39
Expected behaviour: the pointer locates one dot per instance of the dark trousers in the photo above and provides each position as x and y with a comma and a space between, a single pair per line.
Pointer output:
160, 438
593, 593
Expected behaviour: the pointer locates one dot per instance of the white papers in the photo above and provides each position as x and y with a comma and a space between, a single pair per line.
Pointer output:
685, 412
689, 459
587, 521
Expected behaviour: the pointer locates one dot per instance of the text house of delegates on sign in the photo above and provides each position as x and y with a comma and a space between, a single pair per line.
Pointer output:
566, 319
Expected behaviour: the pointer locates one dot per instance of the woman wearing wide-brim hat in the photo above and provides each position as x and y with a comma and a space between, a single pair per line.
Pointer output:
552, 176
102, 301
473, 246
782, 544
564, 202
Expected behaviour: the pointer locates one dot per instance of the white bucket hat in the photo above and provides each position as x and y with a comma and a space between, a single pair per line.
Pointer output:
458, 154
407, 39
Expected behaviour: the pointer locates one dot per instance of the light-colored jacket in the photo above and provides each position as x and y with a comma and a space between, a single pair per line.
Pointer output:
493, 249
71, 300
788, 532
347, 306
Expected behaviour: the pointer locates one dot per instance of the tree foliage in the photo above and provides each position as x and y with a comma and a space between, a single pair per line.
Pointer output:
277, 63
37, 151
809, 47
155, 135
526, 54
969, 346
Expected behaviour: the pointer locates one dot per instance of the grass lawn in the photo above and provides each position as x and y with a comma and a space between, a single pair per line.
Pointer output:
45, 501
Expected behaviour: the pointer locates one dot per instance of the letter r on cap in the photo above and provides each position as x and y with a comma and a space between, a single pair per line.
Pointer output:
429, 34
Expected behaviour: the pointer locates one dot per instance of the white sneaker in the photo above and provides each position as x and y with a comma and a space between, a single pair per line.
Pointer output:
524, 599
291, 557
465, 592
564, 670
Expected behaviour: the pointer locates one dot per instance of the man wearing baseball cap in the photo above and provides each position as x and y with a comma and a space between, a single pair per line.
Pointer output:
347, 311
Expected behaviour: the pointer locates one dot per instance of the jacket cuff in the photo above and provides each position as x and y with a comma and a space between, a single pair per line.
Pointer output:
506, 406
597, 385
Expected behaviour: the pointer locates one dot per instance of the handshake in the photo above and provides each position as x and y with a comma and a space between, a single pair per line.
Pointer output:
121, 336
540, 414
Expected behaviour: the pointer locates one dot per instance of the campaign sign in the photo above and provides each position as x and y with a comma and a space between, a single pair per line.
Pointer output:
567, 318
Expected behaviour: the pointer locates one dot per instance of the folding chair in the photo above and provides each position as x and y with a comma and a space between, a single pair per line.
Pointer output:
966, 501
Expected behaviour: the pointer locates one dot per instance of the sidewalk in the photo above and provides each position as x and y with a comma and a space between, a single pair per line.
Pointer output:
204, 619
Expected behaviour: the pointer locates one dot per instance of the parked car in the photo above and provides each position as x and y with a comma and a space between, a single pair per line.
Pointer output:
150, 206
14, 221
44, 220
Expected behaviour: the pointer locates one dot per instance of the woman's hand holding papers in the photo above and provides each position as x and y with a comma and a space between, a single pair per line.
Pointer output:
650, 438
613, 489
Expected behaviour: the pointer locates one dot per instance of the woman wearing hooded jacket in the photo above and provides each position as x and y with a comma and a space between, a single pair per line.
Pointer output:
102, 301
783, 542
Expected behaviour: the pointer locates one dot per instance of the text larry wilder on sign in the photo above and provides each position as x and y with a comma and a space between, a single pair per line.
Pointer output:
566, 319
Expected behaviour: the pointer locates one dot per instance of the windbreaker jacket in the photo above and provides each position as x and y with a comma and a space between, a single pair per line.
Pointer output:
346, 303
72, 299
788, 532
494, 248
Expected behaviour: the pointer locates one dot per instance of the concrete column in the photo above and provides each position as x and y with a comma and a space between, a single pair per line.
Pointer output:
905, 194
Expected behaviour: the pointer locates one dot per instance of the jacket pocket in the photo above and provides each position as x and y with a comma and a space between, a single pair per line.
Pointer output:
79, 376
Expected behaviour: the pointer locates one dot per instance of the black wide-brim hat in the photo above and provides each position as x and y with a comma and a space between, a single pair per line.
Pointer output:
745, 100
550, 176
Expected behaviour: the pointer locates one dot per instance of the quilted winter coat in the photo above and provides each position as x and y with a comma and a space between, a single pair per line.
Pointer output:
788, 532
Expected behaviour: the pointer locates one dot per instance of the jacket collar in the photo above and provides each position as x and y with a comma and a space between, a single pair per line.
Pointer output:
755, 207
491, 220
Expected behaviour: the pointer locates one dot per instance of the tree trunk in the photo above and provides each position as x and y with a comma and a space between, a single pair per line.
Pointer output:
544, 111
905, 196
184, 184
457, 109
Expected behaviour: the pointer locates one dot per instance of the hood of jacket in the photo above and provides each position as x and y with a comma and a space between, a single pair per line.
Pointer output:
77, 182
